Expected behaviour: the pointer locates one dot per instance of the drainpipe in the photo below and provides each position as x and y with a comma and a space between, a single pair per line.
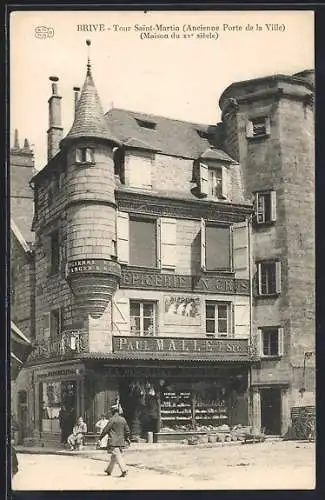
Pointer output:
250, 276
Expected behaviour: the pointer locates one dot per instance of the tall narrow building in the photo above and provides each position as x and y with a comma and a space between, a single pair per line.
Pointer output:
269, 129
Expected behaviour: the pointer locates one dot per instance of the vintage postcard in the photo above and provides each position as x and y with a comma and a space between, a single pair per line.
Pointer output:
162, 250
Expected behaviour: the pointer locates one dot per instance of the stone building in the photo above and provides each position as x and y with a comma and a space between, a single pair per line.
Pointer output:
21, 281
167, 260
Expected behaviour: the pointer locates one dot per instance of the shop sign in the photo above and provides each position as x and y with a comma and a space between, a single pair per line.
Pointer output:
226, 348
189, 283
92, 266
61, 372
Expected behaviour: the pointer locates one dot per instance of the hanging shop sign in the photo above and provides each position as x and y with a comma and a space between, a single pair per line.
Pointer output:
187, 283
211, 348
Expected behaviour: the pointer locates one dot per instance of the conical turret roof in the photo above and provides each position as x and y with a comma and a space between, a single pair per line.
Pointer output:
89, 121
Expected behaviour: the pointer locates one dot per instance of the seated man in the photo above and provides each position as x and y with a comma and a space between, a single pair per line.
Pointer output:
76, 439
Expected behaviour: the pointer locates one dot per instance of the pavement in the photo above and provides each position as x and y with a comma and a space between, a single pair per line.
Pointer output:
224, 466
91, 452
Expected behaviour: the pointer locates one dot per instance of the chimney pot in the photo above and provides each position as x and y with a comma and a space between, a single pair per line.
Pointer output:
54, 133
54, 80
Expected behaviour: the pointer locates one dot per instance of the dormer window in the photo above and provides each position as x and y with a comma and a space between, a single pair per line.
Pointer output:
85, 155
213, 181
146, 124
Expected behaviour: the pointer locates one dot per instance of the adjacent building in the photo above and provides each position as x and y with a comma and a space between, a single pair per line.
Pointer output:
173, 264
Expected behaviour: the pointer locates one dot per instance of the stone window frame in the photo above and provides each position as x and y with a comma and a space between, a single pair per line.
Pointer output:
271, 269
254, 121
206, 174
85, 155
141, 303
216, 304
264, 214
266, 332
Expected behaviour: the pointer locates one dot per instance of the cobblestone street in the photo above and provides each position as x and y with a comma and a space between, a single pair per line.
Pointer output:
269, 465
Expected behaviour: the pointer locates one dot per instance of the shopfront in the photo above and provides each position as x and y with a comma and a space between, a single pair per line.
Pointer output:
167, 385
58, 387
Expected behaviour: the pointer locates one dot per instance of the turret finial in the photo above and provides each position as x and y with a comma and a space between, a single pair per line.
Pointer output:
88, 42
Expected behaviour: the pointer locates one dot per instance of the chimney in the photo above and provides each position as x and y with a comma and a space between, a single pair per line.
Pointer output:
55, 131
76, 98
16, 140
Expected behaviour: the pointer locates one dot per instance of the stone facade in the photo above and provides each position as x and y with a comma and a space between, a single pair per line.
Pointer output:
91, 203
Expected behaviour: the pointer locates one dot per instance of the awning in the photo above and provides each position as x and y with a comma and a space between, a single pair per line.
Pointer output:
21, 347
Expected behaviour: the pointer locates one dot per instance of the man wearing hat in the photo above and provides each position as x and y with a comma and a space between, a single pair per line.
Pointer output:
118, 433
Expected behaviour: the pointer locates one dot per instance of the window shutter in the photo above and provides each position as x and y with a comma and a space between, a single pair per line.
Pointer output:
122, 228
240, 250
249, 128
46, 325
242, 320
259, 342
259, 278
158, 242
168, 242
273, 205
204, 179
78, 155
278, 277
225, 185
203, 245
139, 170
267, 126
280, 341
121, 316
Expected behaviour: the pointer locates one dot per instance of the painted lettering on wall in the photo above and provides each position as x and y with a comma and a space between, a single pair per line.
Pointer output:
188, 283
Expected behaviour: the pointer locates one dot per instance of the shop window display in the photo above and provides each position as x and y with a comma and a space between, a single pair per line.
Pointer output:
180, 406
53, 397
193, 406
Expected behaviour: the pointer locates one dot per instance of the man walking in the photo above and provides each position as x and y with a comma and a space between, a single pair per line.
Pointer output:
118, 433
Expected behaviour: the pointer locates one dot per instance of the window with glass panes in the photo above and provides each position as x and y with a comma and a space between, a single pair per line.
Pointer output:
267, 278
143, 318
217, 318
270, 341
215, 182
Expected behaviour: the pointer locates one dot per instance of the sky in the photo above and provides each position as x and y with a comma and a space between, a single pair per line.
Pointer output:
180, 78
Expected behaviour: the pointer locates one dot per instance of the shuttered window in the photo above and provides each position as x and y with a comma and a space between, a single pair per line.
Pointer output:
143, 242
143, 318
265, 207
269, 278
217, 319
271, 341
139, 171
213, 181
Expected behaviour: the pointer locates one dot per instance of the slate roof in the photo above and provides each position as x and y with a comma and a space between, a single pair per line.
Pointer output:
170, 137
89, 118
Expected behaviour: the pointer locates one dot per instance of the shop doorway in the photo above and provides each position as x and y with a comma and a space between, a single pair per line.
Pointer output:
271, 411
22, 416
